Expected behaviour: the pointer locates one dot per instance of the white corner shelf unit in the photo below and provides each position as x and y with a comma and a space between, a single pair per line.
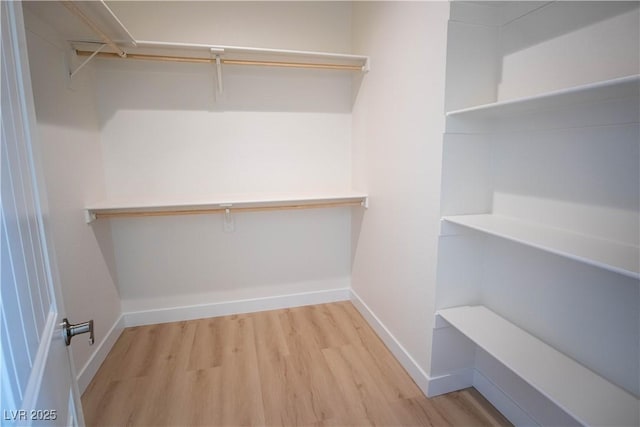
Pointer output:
531, 359
528, 182
222, 204
609, 255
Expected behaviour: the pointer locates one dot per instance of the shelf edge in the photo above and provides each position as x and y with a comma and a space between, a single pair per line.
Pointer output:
547, 95
221, 206
556, 251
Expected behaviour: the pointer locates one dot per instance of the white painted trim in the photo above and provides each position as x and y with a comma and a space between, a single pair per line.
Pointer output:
225, 308
90, 368
501, 401
401, 354
32, 389
450, 382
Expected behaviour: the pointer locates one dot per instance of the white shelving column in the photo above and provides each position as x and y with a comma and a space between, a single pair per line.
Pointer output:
538, 291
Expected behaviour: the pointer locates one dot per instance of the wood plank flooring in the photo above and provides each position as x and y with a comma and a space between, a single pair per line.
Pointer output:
318, 365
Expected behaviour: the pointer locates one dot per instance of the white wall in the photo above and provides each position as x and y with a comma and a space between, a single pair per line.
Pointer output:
69, 141
566, 44
166, 134
304, 25
472, 44
518, 49
398, 123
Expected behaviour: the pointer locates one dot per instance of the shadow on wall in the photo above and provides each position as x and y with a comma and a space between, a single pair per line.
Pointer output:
143, 85
104, 240
579, 28
559, 20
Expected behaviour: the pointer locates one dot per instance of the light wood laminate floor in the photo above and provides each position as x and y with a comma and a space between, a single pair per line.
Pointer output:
307, 366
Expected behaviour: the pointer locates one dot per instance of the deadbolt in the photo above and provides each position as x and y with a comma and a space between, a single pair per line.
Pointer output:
69, 331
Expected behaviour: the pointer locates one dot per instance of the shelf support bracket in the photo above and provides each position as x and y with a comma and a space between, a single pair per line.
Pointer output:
215, 53
74, 9
86, 61
229, 223
89, 216
367, 66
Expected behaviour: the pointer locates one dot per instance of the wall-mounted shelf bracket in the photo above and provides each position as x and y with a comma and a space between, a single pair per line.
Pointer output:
89, 216
75, 10
215, 54
229, 221
86, 61
367, 65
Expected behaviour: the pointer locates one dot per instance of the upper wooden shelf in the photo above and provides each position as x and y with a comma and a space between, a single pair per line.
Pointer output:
594, 92
586, 396
609, 255
222, 203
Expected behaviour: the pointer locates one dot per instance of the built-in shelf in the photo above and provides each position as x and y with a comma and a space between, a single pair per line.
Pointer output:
584, 395
222, 204
594, 92
613, 256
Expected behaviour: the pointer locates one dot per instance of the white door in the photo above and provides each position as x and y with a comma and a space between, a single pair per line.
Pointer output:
38, 386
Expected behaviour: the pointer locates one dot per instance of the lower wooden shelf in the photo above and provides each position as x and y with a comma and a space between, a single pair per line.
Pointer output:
586, 396
221, 204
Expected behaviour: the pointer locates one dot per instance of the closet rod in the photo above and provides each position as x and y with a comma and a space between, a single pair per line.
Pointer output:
89, 23
202, 211
224, 61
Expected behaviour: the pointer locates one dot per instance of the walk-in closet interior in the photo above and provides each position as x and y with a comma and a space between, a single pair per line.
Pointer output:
465, 173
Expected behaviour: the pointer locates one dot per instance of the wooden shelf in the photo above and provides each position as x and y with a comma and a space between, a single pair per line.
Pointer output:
586, 396
594, 92
613, 256
234, 203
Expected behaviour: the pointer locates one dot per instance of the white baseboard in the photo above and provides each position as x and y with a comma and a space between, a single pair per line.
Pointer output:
90, 368
450, 382
408, 363
501, 401
514, 397
225, 308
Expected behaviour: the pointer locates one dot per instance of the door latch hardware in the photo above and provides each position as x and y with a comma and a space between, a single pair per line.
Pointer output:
69, 331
